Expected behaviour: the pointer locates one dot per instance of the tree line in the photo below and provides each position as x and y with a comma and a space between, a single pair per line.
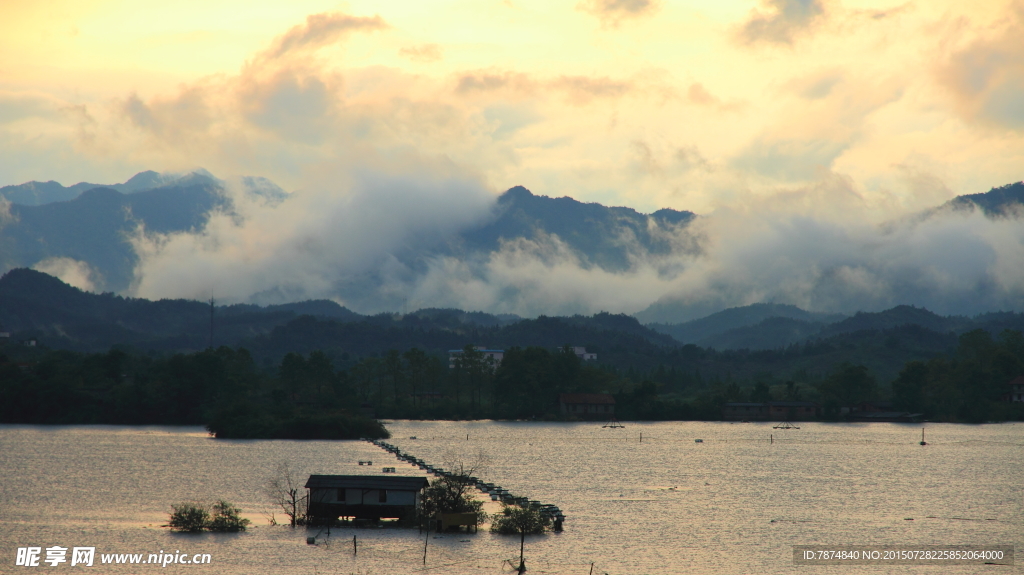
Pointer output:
340, 395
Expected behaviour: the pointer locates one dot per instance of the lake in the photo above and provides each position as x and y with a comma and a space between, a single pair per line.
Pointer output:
737, 502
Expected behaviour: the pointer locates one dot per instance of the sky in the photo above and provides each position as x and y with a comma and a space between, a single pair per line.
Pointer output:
843, 113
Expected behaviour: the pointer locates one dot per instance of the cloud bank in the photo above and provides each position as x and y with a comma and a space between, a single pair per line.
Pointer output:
376, 242
799, 126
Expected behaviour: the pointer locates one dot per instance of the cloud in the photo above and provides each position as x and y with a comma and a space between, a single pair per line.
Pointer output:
347, 235
667, 161
582, 89
612, 12
791, 159
15, 106
474, 82
782, 248
70, 271
424, 53
578, 90
816, 86
320, 30
784, 21
376, 239
293, 103
699, 95
986, 78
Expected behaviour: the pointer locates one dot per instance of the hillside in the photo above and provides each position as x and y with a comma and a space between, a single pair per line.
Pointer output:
96, 227
34, 304
603, 236
1004, 201
704, 330
40, 193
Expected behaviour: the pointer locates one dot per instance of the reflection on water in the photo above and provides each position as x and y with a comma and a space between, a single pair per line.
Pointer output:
735, 503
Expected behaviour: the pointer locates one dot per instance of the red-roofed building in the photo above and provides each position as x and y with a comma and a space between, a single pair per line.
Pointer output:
586, 405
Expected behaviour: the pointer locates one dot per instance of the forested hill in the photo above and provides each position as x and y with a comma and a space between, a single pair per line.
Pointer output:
617, 335
1006, 200
593, 231
36, 305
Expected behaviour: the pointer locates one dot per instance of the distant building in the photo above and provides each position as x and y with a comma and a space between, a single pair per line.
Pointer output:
889, 416
492, 357
1016, 393
871, 407
587, 405
370, 497
581, 352
772, 410
793, 410
741, 411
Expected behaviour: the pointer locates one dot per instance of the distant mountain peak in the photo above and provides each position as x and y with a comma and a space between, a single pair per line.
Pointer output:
514, 193
1004, 201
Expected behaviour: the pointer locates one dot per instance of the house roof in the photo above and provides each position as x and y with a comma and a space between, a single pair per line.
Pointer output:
395, 483
1019, 380
589, 398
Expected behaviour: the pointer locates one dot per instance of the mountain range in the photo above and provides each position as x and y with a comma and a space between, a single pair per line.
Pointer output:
44, 225
97, 224
34, 305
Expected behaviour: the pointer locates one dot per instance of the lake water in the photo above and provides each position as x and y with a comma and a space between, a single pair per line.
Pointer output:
735, 503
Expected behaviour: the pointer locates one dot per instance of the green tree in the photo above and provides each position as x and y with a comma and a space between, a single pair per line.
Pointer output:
847, 385
761, 393
189, 517
395, 371
226, 518
418, 364
523, 521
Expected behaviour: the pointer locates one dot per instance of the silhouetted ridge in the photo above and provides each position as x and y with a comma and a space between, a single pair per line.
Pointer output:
999, 201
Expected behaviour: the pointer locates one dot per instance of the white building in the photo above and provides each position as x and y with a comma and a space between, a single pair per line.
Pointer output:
581, 352
492, 357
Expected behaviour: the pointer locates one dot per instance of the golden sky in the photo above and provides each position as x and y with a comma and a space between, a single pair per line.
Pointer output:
646, 103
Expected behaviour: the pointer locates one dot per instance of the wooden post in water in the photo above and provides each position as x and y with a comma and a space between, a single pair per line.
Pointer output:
425, 541
641, 437
591, 568
522, 544
355, 546
771, 438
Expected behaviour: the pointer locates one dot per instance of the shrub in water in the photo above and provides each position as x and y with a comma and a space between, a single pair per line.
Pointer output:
189, 517
226, 518
193, 517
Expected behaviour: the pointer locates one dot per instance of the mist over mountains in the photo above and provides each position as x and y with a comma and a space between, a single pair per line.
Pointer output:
374, 243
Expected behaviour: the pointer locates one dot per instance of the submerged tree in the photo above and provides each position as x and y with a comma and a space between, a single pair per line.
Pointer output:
226, 518
193, 517
189, 517
452, 493
522, 520
285, 494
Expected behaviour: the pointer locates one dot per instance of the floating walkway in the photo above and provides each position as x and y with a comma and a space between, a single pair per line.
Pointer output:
496, 492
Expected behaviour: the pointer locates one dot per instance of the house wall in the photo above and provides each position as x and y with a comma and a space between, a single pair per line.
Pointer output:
365, 497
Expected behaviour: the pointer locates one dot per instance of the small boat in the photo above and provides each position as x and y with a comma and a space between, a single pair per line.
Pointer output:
613, 424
